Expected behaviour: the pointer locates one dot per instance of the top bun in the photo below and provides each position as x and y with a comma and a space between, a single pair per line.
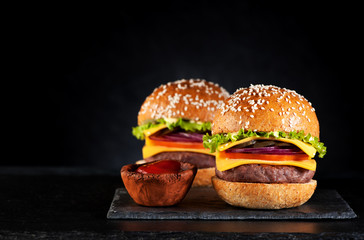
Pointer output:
193, 99
266, 108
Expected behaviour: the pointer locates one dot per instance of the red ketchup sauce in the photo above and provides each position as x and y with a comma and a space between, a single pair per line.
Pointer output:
160, 167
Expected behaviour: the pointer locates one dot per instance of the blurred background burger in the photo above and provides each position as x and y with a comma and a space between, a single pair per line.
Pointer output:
173, 120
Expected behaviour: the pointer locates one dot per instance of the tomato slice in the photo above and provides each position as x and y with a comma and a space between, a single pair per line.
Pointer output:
271, 157
196, 145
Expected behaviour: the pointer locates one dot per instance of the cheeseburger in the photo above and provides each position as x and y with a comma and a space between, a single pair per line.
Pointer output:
173, 120
265, 138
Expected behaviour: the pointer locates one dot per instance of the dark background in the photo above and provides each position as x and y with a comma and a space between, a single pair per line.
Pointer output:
82, 72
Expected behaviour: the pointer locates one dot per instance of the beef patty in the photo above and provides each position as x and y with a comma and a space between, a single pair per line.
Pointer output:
256, 173
199, 159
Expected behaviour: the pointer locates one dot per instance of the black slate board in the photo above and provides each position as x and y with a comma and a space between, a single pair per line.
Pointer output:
203, 203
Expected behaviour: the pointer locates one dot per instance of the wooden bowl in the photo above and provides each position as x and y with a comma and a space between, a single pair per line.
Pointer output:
165, 189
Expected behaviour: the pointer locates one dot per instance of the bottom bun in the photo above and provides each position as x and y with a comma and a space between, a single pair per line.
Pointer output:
203, 177
264, 195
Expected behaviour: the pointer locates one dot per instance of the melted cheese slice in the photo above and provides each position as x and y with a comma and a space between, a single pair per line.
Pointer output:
223, 164
305, 147
151, 150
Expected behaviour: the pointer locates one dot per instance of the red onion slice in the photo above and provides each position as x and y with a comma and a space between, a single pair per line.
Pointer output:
179, 137
276, 150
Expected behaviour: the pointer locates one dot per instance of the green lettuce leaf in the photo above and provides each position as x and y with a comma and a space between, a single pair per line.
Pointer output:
213, 141
186, 125
138, 130
189, 125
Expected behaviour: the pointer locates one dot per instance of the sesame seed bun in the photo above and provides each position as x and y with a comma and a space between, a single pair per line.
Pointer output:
264, 195
266, 108
193, 99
